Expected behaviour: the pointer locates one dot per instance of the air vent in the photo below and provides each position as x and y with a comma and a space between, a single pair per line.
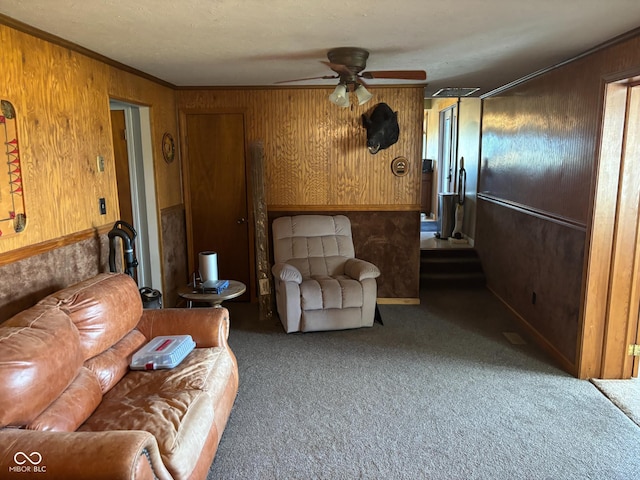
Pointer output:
455, 92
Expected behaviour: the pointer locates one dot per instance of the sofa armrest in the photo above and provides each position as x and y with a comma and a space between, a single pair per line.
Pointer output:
361, 269
209, 327
69, 455
286, 273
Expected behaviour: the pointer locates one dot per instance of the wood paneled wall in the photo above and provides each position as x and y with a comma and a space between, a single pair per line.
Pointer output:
315, 153
316, 160
539, 151
63, 124
62, 103
61, 99
161, 102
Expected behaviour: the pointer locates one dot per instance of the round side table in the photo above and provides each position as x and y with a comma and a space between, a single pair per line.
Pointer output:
191, 294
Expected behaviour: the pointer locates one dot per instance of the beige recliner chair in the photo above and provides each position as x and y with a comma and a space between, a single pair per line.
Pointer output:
319, 284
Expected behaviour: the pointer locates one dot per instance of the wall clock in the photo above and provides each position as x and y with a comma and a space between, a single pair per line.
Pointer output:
168, 148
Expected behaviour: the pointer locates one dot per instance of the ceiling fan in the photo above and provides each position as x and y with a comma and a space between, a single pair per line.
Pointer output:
348, 63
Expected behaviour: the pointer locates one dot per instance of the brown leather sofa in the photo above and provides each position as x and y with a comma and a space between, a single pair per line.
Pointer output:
70, 407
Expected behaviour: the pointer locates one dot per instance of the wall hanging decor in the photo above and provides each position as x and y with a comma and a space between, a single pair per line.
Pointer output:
382, 128
168, 148
400, 166
13, 218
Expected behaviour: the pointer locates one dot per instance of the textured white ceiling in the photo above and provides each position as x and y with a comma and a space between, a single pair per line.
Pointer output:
460, 43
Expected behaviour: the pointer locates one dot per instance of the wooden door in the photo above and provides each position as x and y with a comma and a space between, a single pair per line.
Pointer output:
123, 179
118, 133
216, 193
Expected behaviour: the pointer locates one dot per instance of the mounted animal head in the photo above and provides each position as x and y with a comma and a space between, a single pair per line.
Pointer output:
382, 128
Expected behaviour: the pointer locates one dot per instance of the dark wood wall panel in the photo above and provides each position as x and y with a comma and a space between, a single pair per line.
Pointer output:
539, 142
538, 163
386, 239
522, 254
539, 139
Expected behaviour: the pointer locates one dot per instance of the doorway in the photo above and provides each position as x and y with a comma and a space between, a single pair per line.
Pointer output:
216, 193
133, 154
612, 298
448, 149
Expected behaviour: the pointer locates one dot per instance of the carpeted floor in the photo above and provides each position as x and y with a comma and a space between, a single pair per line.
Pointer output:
625, 394
438, 392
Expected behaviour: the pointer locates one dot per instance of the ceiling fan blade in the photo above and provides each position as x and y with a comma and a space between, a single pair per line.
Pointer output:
338, 68
325, 77
363, 83
396, 74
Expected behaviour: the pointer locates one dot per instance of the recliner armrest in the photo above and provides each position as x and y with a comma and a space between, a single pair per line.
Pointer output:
361, 269
286, 273
121, 454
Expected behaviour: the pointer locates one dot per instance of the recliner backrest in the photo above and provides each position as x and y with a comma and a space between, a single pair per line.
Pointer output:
314, 244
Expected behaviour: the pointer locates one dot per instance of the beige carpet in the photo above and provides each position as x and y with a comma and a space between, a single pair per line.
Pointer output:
435, 393
625, 394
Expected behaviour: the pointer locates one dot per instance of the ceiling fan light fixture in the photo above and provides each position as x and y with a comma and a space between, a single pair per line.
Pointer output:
363, 94
340, 96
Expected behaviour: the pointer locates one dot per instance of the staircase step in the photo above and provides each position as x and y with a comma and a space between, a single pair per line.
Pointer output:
449, 253
450, 265
451, 268
448, 280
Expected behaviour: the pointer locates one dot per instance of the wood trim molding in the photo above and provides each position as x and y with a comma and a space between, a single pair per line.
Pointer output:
343, 208
44, 247
398, 301
539, 339
613, 41
564, 221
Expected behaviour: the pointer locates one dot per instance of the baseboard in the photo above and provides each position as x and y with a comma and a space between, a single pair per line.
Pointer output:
539, 339
470, 240
398, 301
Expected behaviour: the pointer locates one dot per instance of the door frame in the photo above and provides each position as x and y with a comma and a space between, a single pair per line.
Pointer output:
612, 287
184, 145
143, 192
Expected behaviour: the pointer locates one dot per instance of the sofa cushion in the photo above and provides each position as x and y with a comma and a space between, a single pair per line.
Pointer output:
111, 365
73, 407
103, 308
177, 406
40, 355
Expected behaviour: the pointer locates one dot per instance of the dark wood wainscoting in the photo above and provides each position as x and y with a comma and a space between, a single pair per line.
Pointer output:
533, 264
388, 239
26, 281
